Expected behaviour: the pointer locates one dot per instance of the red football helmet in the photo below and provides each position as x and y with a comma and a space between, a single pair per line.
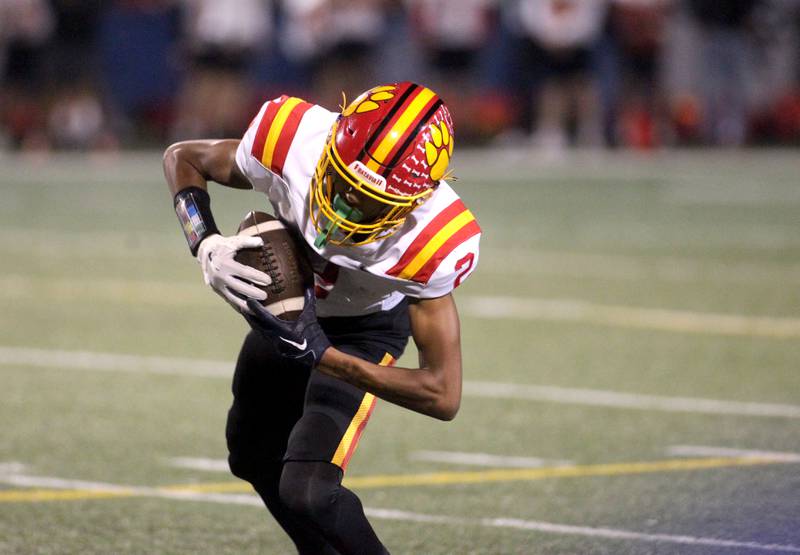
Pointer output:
392, 144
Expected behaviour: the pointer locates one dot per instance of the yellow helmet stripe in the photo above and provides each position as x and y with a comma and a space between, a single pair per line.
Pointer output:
399, 129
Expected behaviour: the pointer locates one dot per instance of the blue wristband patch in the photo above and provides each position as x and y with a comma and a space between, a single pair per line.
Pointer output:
189, 216
193, 209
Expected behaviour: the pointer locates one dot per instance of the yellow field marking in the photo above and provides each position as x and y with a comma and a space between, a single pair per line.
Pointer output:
10, 496
209, 487
410, 480
529, 474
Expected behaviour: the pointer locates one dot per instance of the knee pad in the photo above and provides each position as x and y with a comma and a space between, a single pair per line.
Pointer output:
241, 467
241, 460
310, 490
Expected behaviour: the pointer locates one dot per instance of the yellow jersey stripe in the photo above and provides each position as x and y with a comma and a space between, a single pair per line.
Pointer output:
275, 130
436, 241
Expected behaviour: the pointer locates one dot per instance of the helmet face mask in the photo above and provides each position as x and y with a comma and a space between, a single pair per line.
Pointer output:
377, 165
339, 221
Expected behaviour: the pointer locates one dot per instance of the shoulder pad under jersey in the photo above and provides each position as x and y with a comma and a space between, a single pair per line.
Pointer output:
442, 254
276, 127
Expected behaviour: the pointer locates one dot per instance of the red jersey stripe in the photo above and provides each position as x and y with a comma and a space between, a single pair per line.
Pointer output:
427, 270
264, 125
287, 136
441, 220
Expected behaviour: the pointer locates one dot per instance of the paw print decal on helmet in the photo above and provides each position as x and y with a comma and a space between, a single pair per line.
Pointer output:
439, 150
368, 101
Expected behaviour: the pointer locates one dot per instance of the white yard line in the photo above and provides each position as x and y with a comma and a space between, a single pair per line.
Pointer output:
392, 514
107, 243
483, 459
448, 457
574, 310
49, 482
617, 534
633, 268
168, 293
613, 399
708, 451
11, 467
130, 292
154, 245
87, 360
571, 530
111, 362
197, 463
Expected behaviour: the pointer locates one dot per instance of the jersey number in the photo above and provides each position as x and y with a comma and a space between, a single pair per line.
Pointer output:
465, 263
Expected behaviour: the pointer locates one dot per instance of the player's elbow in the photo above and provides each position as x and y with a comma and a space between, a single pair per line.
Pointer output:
173, 153
447, 410
446, 401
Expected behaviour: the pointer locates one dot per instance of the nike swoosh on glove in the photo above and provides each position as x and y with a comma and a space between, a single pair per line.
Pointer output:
302, 340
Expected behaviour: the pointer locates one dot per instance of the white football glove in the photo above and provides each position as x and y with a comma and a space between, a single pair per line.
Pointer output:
228, 277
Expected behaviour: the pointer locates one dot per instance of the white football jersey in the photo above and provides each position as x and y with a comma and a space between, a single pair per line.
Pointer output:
434, 250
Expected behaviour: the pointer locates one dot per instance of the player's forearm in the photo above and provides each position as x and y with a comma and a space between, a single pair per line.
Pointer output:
422, 390
194, 163
182, 169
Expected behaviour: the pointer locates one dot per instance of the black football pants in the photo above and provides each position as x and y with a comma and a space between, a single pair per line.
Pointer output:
286, 433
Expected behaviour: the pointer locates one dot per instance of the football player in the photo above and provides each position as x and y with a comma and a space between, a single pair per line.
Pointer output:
389, 240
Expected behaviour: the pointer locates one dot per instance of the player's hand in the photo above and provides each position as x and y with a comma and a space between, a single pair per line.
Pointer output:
302, 340
233, 281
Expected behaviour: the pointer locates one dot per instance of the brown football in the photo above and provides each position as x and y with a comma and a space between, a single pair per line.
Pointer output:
282, 258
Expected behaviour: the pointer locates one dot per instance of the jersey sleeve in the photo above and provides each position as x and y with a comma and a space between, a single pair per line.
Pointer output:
266, 143
442, 255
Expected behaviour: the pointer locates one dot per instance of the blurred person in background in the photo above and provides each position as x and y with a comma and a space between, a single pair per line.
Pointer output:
222, 38
339, 40
452, 36
559, 38
136, 45
775, 108
726, 52
25, 28
77, 115
638, 30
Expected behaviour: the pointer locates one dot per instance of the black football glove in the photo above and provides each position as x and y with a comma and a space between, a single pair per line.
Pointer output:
302, 340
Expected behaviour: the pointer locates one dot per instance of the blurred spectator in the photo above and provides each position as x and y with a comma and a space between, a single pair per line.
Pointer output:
725, 51
776, 83
638, 30
561, 35
25, 27
222, 39
451, 36
73, 55
77, 120
136, 41
452, 33
341, 40
89, 73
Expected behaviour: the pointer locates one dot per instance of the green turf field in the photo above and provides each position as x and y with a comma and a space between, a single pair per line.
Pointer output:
631, 340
